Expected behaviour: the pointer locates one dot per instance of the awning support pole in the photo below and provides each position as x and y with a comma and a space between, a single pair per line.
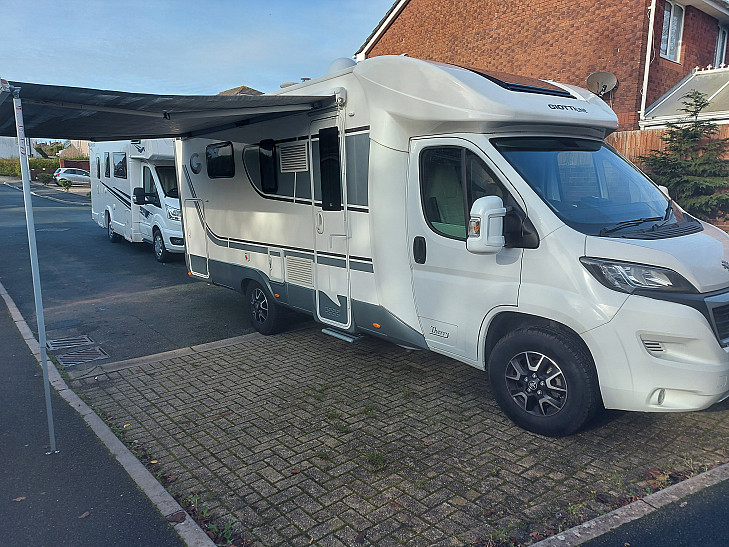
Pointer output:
25, 171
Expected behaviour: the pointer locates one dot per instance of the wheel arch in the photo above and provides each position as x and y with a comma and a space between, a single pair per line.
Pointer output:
508, 321
251, 274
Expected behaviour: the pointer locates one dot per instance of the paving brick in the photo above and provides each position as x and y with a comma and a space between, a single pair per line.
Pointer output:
264, 450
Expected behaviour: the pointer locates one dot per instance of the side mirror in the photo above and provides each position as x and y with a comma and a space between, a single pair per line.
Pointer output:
138, 196
486, 227
664, 189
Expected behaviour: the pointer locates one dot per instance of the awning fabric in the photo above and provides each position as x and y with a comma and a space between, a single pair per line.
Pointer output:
99, 115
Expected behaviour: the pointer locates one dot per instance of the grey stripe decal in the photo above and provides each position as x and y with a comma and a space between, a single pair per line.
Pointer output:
299, 255
336, 262
361, 267
248, 247
122, 197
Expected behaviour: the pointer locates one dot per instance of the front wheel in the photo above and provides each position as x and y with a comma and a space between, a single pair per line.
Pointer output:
160, 251
544, 381
113, 236
266, 315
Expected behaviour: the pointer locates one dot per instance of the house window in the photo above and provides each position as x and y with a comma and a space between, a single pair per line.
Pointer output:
721, 46
672, 31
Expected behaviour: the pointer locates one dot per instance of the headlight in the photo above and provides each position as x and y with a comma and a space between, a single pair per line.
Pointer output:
629, 277
173, 213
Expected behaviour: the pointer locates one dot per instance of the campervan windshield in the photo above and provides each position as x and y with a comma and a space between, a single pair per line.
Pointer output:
593, 189
168, 180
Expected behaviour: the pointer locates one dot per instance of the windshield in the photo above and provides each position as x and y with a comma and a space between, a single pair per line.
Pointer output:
168, 180
589, 186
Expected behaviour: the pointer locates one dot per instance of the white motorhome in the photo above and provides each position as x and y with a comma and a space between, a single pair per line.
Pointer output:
479, 216
134, 193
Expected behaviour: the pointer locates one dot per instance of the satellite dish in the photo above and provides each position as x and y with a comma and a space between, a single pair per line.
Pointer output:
601, 82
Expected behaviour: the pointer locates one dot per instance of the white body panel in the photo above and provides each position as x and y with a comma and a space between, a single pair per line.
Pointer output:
112, 191
357, 267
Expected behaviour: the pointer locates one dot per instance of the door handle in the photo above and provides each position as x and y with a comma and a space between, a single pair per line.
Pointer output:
320, 222
419, 250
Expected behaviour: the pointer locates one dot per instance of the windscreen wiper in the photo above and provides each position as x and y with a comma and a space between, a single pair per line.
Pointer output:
628, 224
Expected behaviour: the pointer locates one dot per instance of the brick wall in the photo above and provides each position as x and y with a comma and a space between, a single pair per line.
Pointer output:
78, 164
564, 40
700, 32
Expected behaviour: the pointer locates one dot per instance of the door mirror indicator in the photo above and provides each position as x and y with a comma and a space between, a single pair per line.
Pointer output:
486, 226
138, 196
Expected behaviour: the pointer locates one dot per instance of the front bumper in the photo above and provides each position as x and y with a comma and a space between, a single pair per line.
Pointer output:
660, 356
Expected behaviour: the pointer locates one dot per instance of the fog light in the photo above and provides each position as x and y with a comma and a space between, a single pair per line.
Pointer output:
661, 396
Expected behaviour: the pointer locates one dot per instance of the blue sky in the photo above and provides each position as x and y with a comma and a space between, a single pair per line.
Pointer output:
179, 47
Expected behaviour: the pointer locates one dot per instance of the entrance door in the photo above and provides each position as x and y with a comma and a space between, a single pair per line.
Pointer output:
329, 212
196, 241
454, 289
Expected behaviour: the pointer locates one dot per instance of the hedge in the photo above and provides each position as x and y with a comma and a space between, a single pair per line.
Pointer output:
11, 166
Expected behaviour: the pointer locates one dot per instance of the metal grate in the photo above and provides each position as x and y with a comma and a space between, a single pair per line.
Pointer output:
652, 346
293, 157
81, 356
299, 271
68, 342
721, 320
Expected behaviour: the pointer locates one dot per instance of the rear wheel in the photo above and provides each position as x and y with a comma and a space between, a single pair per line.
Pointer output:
113, 237
266, 316
544, 381
160, 251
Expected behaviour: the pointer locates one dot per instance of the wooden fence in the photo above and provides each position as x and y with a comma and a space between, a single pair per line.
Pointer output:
634, 144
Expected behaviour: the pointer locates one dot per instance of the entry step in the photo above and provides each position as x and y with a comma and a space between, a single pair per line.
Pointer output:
346, 336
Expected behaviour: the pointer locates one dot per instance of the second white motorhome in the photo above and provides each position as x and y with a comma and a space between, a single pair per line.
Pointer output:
479, 216
134, 193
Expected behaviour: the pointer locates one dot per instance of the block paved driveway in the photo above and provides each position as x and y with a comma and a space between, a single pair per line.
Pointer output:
302, 439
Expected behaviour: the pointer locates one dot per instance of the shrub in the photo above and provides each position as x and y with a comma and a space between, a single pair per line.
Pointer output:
65, 184
45, 178
692, 165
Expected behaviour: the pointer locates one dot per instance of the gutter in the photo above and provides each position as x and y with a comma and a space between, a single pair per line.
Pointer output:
646, 70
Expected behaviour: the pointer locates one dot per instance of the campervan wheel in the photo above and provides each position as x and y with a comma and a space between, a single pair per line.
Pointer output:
265, 314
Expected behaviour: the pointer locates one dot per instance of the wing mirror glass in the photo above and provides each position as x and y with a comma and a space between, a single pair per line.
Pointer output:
486, 226
138, 196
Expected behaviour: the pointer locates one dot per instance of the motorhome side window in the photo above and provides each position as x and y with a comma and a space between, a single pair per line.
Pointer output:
120, 165
329, 167
107, 169
451, 179
98, 167
219, 159
267, 163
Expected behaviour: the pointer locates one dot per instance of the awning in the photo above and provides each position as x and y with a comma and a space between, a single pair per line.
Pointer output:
714, 83
99, 115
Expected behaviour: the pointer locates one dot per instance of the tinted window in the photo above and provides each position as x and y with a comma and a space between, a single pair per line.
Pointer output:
331, 185
107, 172
267, 162
150, 190
98, 167
219, 159
120, 165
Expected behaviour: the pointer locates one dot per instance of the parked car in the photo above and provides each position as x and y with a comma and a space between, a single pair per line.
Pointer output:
76, 176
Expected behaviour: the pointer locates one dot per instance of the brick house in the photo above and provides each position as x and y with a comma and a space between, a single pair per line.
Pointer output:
565, 40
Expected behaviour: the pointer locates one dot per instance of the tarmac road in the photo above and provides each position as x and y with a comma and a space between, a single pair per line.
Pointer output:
116, 293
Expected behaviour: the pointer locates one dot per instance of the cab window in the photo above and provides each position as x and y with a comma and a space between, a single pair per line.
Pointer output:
451, 179
150, 191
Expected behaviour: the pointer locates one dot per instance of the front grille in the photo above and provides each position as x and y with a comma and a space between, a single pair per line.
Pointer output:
721, 320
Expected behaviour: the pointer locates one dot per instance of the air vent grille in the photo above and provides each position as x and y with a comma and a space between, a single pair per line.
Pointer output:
653, 347
293, 157
721, 319
300, 271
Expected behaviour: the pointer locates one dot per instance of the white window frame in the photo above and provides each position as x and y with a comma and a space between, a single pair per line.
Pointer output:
675, 32
720, 54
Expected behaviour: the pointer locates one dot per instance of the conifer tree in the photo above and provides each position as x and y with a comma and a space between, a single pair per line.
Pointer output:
691, 165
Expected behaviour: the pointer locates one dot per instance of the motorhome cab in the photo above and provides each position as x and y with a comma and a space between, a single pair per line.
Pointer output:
479, 216
134, 193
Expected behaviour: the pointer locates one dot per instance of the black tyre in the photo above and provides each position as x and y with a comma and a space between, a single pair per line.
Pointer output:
113, 237
266, 316
544, 381
160, 251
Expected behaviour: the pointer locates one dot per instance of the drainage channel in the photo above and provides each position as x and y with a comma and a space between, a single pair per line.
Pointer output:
77, 356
